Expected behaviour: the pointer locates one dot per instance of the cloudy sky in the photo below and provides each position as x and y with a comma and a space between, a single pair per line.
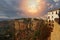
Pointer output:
9, 8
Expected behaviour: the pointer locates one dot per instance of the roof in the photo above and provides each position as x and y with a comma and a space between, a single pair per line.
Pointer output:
54, 9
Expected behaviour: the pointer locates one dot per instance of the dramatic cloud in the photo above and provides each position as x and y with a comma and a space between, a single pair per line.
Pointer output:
10, 8
56, 0
54, 4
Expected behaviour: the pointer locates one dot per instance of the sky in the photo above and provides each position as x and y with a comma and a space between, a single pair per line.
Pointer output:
12, 8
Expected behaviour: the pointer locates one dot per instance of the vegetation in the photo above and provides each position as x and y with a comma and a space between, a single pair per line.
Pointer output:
41, 30
6, 30
59, 17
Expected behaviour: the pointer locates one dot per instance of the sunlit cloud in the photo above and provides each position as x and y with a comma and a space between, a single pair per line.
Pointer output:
27, 8
33, 7
56, 0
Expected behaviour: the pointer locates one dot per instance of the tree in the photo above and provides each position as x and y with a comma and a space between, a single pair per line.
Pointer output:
7, 30
42, 32
59, 16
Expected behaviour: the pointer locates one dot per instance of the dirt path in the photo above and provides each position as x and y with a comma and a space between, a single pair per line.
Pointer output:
56, 32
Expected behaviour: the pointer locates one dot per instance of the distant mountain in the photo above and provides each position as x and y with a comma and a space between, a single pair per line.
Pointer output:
5, 19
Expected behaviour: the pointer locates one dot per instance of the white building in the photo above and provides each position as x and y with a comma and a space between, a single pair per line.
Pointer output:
53, 14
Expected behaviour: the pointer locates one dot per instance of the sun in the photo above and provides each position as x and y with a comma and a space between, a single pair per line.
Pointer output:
31, 7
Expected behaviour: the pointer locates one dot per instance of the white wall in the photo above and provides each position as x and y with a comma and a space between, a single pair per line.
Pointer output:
53, 13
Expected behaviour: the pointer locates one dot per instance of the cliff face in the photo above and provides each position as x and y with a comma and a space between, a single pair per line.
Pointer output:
56, 32
59, 17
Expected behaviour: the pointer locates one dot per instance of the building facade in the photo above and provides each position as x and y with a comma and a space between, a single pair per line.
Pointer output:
53, 14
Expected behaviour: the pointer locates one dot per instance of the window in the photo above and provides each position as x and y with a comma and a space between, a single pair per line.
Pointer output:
52, 16
52, 12
49, 24
56, 12
49, 20
48, 17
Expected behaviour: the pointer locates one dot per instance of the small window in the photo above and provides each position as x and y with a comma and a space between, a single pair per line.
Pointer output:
49, 20
49, 24
52, 16
52, 12
48, 17
56, 12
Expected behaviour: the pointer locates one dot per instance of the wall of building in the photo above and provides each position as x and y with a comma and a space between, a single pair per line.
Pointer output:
53, 14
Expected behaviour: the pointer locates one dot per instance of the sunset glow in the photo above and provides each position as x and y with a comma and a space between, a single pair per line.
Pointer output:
33, 6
